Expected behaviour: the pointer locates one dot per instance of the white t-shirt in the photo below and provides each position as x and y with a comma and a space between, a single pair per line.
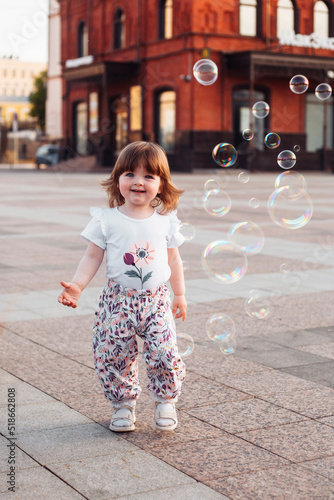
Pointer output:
136, 249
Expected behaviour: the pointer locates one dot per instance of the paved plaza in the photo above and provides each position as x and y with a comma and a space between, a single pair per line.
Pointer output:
255, 424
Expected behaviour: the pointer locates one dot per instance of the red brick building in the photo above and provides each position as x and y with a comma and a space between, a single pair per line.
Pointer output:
127, 75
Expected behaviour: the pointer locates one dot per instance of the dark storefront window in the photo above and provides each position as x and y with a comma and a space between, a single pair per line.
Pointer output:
166, 119
321, 19
165, 19
82, 40
243, 119
285, 16
119, 29
316, 125
248, 17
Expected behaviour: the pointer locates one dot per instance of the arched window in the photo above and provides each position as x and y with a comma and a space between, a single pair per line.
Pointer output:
165, 19
285, 17
321, 19
165, 119
119, 29
82, 40
248, 17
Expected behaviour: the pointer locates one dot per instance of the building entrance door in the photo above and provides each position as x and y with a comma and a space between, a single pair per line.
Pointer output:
80, 128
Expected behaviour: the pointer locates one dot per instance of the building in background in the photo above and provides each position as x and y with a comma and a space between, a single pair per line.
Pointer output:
16, 84
53, 124
127, 75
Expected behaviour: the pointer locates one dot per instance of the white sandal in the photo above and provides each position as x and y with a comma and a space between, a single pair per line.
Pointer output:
165, 417
123, 419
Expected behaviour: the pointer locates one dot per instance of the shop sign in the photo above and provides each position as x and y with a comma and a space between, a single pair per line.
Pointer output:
313, 41
80, 61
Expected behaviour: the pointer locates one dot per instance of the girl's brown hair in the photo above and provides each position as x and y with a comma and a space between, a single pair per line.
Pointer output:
154, 159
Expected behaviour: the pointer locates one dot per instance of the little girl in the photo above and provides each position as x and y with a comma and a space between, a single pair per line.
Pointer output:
140, 234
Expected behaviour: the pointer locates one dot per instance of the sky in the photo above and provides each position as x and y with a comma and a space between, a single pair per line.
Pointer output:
24, 29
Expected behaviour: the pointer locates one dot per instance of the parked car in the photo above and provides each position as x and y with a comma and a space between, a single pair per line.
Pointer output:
48, 154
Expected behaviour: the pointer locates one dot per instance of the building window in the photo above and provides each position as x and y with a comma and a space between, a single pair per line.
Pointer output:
166, 119
321, 19
82, 40
135, 108
119, 29
285, 16
80, 128
165, 19
248, 17
315, 123
243, 119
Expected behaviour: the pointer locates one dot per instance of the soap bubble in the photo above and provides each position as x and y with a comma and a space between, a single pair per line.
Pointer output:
243, 177
284, 268
219, 327
211, 184
247, 235
286, 159
272, 140
290, 208
217, 202
247, 134
260, 109
228, 346
205, 71
296, 148
224, 262
254, 203
224, 154
323, 91
294, 180
187, 230
257, 307
299, 84
185, 344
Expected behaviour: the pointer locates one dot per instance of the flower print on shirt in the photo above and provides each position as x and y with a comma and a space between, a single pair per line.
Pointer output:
139, 255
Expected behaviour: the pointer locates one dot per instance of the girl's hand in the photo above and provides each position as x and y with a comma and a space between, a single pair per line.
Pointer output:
70, 294
180, 305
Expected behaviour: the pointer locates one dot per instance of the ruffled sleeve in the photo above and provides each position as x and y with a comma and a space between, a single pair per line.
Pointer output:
174, 237
95, 231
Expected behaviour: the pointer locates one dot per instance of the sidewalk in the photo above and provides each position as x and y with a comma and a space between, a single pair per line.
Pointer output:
257, 424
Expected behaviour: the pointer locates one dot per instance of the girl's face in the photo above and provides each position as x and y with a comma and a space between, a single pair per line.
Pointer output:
139, 187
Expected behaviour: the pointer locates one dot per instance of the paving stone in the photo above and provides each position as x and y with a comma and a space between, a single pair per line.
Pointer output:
322, 466
38, 483
220, 457
281, 483
239, 416
196, 491
60, 445
320, 373
327, 420
297, 441
313, 403
326, 350
281, 357
302, 337
268, 382
35, 416
9, 450
110, 476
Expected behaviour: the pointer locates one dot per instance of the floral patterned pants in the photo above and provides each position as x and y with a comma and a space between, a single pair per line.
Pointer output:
121, 315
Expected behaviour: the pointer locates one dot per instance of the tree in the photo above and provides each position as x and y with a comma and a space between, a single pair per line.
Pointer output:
38, 99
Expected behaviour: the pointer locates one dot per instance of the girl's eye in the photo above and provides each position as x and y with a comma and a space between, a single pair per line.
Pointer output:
149, 176
129, 174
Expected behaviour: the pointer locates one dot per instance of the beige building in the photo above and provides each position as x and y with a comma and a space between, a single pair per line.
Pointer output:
16, 84
54, 103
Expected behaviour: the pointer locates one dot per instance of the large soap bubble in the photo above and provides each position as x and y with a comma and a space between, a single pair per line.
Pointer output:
299, 84
286, 159
224, 262
217, 202
261, 109
323, 91
272, 140
257, 307
224, 154
290, 207
205, 71
185, 344
219, 327
248, 235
